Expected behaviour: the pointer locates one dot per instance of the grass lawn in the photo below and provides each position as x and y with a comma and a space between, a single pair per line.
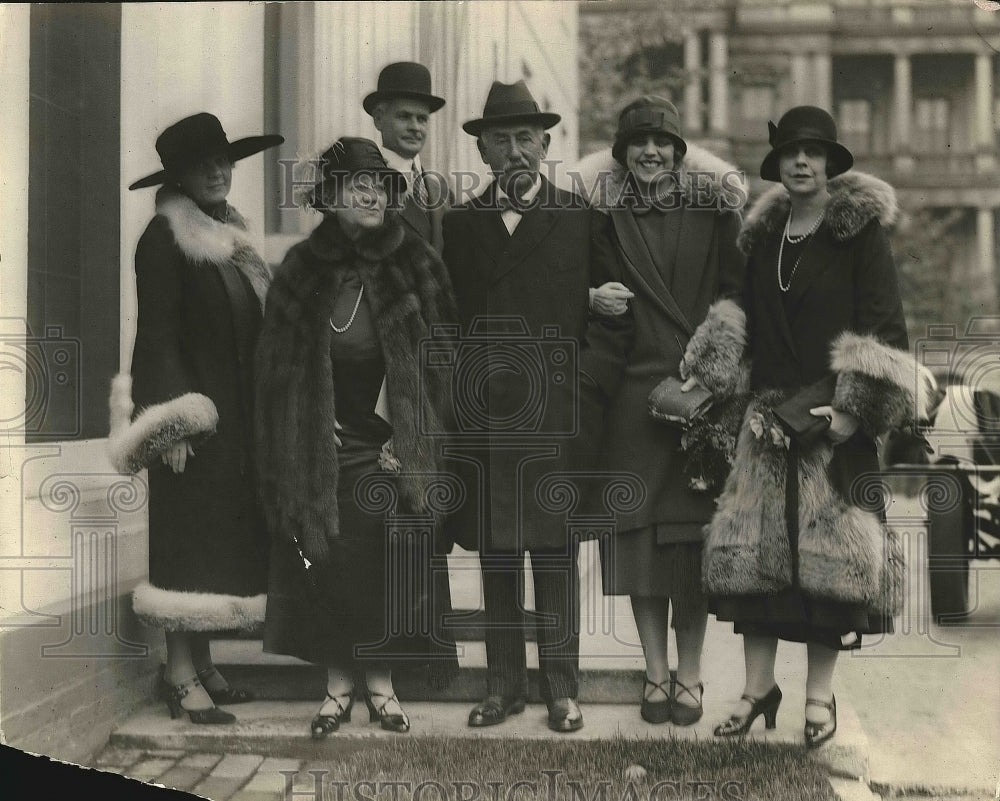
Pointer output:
429, 769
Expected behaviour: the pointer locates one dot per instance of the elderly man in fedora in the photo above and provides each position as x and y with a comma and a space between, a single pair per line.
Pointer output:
522, 256
400, 108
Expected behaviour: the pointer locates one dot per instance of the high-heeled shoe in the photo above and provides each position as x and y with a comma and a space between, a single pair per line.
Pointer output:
322, 725
682, 714
390, 721
227, 695
178, 692
818, 733
656, 711
766, 706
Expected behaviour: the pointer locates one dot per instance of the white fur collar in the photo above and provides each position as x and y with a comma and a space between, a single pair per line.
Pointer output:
856, 198
200, 237
702, 174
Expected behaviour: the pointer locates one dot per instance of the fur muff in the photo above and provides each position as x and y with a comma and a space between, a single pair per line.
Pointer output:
174, 610
881, 386
408, 292
704, 179
135, 444
204, 239
715, 350
845, 553
856, 198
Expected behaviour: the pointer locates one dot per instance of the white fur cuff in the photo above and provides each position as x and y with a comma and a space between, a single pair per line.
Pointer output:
870, 357
716, 348
174, 610
134, 445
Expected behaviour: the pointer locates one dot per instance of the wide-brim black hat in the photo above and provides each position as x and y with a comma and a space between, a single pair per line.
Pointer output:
194, 138
648, 114
350, 156
800, 125
507, 103
403, 79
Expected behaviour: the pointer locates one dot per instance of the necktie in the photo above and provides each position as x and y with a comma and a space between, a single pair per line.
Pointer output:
419, 188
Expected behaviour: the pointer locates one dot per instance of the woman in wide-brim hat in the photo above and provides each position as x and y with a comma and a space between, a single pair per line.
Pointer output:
345, 417
798, 549
683, 276
200, 286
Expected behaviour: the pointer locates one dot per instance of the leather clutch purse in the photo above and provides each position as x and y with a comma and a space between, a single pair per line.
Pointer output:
794, 415
668, 404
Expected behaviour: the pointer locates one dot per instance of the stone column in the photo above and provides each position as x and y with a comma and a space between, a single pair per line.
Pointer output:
822, 86
985, 282
799, 88
692, 86
903, 105
985, 140
718, 87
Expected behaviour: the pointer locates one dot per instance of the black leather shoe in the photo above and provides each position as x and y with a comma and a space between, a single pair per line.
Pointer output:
495, 709
565, 715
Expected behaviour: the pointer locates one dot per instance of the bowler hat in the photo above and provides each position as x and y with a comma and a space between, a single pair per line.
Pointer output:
351, 155
648, 114
510, 102
403, 79
805, 124
194, 138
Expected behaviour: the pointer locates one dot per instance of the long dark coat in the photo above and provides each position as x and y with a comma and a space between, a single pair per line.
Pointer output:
709, 272
521, 412
200, 285
843, 317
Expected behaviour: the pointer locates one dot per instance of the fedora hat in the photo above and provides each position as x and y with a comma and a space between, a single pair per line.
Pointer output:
648, 114
194, 138
805, 124
403, 79
508, 102
351, 155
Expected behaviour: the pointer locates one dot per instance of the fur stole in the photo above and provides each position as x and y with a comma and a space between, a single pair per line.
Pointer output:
408, 291
705, 180
856, 198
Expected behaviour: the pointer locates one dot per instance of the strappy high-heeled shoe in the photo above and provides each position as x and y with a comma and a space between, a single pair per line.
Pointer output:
656, 711
175, 693
818, 733
390, 721
227, 695
322, 725
682, 714
766, 706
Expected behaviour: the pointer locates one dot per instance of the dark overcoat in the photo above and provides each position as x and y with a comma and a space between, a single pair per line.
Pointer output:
842, 317
200, 285
526, 348
690, 319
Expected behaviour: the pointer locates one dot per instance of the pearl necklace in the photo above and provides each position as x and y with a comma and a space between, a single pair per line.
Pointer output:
794, 240
354, 313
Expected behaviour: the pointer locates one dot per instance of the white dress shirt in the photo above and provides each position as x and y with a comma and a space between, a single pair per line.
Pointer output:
511, 218
402, 164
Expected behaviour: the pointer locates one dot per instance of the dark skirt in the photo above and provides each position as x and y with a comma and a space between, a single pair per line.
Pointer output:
635, 563
376, 601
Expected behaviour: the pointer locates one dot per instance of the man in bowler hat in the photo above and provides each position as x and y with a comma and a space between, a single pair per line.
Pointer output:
522, 256
400, 108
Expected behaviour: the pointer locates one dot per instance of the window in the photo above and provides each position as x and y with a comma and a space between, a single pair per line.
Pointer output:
757, 103
74, 120
931, 121
856, 125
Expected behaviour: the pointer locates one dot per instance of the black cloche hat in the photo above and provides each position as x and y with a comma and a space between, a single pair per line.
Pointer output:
805, 124
510, 102
351, 155
194, 138
403, 79
648, 114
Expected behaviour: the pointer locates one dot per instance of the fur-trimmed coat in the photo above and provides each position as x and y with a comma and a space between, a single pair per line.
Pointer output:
842, 315
408, 292
200, 283
697, 319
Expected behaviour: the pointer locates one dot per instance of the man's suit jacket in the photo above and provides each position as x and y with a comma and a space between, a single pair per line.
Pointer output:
533, 372
427, 222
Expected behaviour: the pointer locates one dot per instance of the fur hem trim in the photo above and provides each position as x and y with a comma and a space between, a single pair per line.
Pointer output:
716, 348
136, 444
706, 179
856, 198
176, 610
882, 386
